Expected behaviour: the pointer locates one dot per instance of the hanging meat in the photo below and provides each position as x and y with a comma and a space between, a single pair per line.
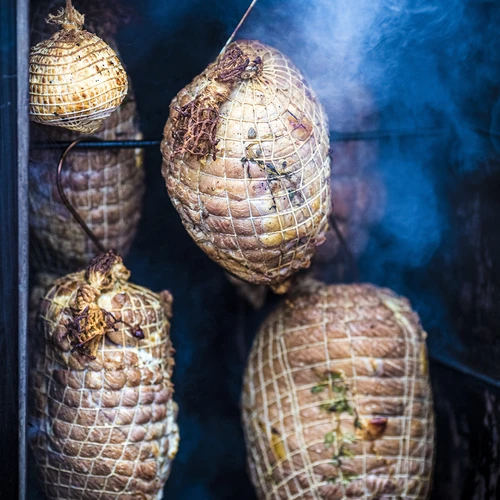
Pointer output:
75, 78
105, 186
245, 159
103, 415
357, 188
337, 401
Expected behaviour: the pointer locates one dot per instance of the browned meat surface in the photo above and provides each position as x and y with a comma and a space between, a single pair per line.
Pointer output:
337, 402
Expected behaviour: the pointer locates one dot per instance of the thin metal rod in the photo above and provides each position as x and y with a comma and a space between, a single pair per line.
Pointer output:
65, 200
335, 136
369, 135
86, 144
375, 135
22, 49
233, 34
464, 370
343, 243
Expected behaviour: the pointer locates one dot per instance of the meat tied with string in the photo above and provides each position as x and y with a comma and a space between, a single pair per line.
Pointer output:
103, 414
337, 401
75, 79
245, 159
105, 186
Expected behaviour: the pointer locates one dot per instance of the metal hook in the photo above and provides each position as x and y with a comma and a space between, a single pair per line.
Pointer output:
65, 200
345, 246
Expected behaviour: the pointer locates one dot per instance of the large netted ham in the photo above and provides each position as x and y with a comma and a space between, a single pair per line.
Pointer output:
105, 186
337, 402
245, 159
102, 407
75, 78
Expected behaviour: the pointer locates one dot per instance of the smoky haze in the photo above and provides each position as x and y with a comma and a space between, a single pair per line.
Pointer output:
401, 65
391, 65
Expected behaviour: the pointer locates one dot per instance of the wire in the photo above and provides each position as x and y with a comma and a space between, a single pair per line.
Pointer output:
233, 34
67, 203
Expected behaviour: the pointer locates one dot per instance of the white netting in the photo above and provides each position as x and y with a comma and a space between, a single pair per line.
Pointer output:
260, 207
105, 186
105, 428
337, 401
76, 80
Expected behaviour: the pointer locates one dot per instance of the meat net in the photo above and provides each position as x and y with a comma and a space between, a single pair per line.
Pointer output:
104, 427
337, 402
260, 208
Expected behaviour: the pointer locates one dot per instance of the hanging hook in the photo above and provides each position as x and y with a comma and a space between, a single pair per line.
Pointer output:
345, 246
65, 200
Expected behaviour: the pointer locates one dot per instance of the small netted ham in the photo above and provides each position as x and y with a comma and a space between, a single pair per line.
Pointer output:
337, 402
245, 159
105, 186
103, 413
75, 78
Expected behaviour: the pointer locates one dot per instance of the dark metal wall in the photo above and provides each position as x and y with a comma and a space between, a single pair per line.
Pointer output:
8, 252
213, 329
14, 141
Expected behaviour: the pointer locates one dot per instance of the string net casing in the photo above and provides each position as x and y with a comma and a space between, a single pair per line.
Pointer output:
259, 204
337, 401
75, 78
105, 427
106, 187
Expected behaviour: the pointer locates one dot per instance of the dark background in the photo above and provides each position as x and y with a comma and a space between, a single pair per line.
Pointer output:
430, 65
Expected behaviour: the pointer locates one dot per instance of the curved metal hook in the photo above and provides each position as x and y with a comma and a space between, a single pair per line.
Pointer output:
65, 200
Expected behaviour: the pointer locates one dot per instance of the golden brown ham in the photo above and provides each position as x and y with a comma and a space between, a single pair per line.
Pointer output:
104, 417
75, 78
337, 402
245, 159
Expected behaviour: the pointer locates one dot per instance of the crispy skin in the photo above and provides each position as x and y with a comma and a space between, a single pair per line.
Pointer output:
260, 208
337, 401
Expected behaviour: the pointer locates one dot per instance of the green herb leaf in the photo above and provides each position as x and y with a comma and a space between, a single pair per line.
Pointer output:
318, 388
329, 439
348, 438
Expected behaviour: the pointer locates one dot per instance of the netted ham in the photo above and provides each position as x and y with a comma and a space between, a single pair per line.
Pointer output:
337, 401
75, 78
245, 159
105, 186
103, 413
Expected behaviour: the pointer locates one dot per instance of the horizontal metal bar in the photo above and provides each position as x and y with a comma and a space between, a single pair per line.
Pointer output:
464, 370
375, 135
97, 144
368, 135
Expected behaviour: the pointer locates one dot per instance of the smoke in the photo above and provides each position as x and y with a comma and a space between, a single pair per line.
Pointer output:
375, 64
420, 64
